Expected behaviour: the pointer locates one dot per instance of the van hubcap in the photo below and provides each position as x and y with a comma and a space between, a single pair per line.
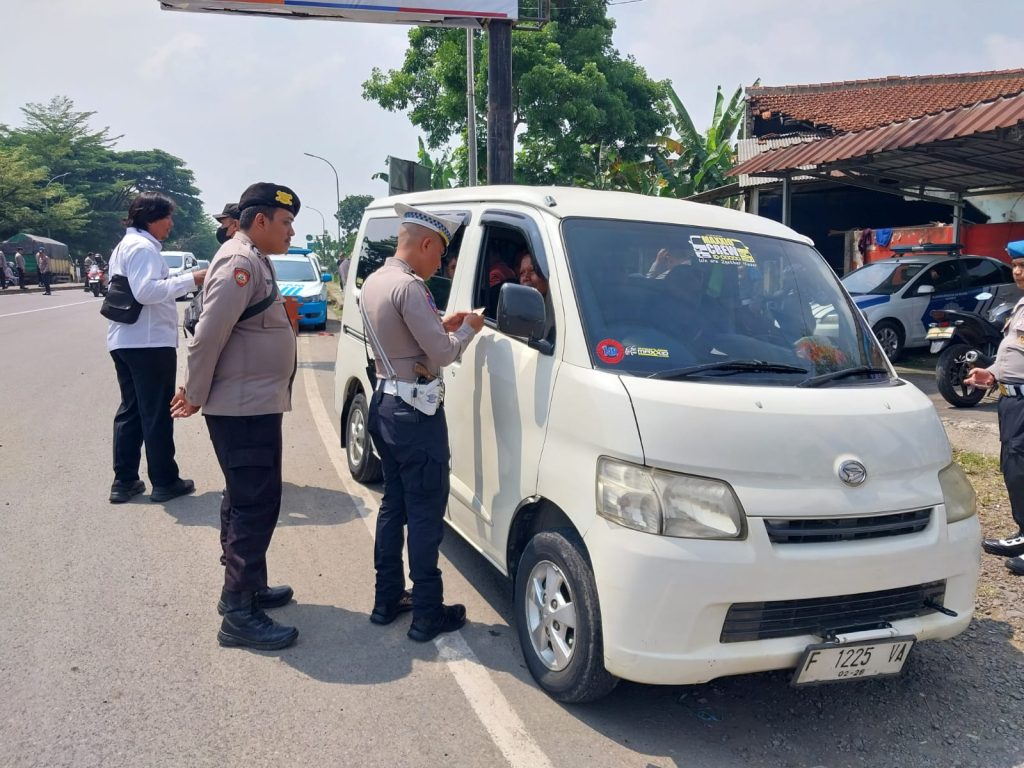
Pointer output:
356, 437
551, 615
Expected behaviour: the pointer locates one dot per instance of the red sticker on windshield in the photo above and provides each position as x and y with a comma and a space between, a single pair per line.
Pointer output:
610, 351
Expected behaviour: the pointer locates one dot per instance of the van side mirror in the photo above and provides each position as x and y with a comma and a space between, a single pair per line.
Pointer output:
521, 313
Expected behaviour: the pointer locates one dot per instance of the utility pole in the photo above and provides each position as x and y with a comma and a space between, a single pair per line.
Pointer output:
471, 105
499, 110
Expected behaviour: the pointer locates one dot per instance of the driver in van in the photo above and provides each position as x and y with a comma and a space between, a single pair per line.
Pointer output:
530, 274
1008, 370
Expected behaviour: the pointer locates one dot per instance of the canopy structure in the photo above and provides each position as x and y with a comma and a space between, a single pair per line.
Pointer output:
977, 149
449, 13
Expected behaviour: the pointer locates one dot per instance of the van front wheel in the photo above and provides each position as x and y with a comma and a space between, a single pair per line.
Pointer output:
362, 464
559, 620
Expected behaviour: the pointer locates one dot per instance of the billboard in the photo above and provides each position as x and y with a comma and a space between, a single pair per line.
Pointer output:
454, 13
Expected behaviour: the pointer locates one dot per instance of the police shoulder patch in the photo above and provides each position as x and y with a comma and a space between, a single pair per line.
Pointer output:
241, 277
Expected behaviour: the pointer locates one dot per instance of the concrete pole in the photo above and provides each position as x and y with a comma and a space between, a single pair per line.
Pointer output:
471, 106
499, 107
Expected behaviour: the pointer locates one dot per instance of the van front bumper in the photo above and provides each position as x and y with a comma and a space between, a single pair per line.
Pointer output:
664, 600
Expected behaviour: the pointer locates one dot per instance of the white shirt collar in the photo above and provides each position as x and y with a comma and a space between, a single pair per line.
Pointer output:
145, 234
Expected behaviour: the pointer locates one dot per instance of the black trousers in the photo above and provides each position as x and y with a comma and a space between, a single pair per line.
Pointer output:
249, 450
44, 280
21, 278
413, 448
3, 275
1011, 454
146, 378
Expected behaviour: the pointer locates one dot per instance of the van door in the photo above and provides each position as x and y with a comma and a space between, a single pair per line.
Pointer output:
497, 397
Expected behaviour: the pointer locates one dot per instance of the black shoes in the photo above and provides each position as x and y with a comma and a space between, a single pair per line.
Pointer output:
268, 597
246, 626
385, 614
1010, 547
119, 494
1016, 564
179, 487
448, 619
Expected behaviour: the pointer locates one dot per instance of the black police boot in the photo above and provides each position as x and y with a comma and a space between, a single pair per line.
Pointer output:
385, 613
119, 493
448, 619
180, 487
245, 625
1011, 546
268, 597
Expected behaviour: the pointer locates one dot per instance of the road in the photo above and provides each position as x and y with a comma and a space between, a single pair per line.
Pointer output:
108, 652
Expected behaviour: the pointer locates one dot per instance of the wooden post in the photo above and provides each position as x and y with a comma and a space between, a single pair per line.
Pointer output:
499, 103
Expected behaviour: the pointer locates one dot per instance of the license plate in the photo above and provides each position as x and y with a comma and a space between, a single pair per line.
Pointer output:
832, 662
939, 333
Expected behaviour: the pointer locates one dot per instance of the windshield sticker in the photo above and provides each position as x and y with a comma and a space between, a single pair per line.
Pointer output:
610, 351
645, 351
820, 352
715, 249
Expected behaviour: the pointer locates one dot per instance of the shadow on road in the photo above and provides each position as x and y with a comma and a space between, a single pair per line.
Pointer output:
300, 505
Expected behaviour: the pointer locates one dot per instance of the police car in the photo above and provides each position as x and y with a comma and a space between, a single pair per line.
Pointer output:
299, 276
898, 295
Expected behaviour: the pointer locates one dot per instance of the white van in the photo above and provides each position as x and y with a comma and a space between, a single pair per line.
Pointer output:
705, 471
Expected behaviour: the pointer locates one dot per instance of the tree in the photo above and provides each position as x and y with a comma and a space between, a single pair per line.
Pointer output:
25, 197
350, 211
572, 93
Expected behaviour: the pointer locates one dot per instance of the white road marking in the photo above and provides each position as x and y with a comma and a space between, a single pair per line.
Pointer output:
43, 309
500, 720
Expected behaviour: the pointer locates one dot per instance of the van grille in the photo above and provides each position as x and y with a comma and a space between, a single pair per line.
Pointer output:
820, 530
820, 615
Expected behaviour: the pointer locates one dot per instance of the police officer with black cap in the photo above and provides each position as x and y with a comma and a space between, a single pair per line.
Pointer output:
228, 222
1008, 371
406, 420
241, 363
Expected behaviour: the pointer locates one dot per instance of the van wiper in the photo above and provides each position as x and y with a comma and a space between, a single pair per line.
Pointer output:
732, 366
861, 370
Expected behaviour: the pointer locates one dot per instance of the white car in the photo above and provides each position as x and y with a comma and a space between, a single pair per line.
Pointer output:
298, 277
712, 473
898, 295
180, 261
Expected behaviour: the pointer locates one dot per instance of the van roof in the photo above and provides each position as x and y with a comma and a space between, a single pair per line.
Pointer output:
563, 202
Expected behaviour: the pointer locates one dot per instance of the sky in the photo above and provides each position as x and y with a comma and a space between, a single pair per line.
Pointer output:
241, 99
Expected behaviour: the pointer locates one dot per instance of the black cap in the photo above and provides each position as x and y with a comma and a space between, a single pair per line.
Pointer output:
272, 195
230, 212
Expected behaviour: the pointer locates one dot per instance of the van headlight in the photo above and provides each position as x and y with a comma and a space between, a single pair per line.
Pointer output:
667, 503
957, 494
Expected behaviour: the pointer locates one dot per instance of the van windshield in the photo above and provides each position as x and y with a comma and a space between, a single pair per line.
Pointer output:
677, 302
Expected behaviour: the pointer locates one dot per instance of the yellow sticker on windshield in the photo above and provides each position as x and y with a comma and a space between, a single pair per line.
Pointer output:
715, 249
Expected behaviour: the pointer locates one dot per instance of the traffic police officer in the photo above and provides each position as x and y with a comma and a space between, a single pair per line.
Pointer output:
240, 373
228, 221
409, 340
1008, 370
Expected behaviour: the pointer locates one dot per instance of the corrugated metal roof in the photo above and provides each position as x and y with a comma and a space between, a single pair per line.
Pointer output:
747, 149
967, 148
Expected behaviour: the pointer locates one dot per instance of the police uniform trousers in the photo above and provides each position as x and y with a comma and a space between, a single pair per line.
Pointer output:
413, 448
145, 376
21, 278
1011, 454
248, 450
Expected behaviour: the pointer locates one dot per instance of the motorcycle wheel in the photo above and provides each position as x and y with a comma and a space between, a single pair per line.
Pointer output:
950, 372
95, 290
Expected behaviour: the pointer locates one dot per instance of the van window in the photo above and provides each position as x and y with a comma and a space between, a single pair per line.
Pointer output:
502, 250
379, 244
718, 306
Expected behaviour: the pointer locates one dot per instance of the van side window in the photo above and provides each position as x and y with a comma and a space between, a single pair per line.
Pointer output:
498, 264
379, 244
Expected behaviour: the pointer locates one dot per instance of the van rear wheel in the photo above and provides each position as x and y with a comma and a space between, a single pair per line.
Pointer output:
558, 619
362, 464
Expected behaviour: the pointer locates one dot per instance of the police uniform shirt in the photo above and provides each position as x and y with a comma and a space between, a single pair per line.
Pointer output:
42, 262
240, 368
1009, 365
19, 261
401, 312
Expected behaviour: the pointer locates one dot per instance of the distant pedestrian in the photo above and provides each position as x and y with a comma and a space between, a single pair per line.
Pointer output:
19, 268
86, 266
3, 271
145, 354
45, 272
343, 265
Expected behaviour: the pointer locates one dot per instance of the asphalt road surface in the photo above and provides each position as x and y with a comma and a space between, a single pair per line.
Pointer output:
108, 651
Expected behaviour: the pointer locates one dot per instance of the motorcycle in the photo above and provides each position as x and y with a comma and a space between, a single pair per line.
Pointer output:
965, 340
97, 281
